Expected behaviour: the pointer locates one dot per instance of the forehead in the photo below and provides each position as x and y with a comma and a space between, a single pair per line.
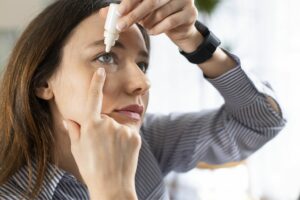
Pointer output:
91, 29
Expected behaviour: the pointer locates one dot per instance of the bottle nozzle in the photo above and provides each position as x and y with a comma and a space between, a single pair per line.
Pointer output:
111, 33
107, 48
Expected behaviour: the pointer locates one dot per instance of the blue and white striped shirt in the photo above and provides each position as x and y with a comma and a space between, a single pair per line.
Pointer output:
177, 142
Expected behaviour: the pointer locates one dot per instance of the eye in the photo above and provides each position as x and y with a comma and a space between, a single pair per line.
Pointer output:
143, 66
107, 58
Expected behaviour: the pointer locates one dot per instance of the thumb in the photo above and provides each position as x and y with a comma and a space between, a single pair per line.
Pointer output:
73, 130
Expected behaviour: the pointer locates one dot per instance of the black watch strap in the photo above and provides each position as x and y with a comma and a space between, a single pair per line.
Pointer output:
206, 49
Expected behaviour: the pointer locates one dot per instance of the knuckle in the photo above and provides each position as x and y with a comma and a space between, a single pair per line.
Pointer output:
113, 122
132, 17
124, 134
153, 3
194, 12
136, 139
123, 130
159, 16
171, 23
109, 124
125, 6
191, 20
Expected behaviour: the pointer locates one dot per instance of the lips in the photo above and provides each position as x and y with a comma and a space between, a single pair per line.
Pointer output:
134, 111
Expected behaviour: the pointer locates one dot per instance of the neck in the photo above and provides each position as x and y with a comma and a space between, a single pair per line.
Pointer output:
62, 153
66, 162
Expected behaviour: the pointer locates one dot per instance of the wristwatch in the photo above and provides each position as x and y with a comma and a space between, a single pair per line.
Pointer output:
206, 49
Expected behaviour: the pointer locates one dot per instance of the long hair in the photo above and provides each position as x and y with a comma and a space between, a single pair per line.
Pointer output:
26, 127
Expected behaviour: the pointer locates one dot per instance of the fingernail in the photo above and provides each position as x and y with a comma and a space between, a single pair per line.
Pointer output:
120, 11
65, 124
121, 26
101, 72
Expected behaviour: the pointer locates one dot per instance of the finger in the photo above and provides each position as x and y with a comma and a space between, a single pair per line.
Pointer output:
103, 12
126, 6
139, 12
73, 130
133, 146
162, 13
169, 23
95, 94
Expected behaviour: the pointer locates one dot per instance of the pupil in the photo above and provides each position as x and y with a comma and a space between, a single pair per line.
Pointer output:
106, 58
143, 67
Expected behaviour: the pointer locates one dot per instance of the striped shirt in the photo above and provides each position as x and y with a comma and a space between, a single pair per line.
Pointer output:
178, 141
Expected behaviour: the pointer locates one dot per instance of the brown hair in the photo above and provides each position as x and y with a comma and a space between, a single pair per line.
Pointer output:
26, 129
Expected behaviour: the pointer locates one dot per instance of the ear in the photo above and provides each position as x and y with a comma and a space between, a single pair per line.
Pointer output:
44, 91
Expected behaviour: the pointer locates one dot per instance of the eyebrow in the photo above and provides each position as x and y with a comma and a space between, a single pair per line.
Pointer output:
118, 45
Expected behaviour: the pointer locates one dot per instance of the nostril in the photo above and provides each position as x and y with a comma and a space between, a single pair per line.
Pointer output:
140, 90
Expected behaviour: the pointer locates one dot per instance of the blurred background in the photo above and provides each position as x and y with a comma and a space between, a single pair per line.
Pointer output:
265, 35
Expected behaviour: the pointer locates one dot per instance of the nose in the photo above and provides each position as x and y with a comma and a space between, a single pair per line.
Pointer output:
137, 83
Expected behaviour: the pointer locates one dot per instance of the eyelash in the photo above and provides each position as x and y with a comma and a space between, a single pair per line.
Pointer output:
145, 68
115, 59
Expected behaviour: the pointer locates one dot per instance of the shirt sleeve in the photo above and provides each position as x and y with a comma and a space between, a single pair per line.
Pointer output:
242, 125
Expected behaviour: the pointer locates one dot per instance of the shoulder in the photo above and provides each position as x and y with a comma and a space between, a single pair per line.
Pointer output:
11, 191
17, 185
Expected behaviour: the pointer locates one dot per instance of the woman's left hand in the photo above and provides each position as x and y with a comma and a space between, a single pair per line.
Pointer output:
176, 18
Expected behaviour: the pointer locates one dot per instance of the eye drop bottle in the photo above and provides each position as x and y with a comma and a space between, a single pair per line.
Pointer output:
111, 34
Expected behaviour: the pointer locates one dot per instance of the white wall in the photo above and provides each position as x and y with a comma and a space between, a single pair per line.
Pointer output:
265, 34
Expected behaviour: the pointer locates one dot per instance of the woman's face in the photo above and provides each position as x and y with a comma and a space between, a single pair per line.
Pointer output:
84, 52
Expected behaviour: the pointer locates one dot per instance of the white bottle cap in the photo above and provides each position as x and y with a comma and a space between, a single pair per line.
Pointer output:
111, 34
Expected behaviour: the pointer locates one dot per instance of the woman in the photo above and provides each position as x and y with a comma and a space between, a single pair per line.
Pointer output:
73, 123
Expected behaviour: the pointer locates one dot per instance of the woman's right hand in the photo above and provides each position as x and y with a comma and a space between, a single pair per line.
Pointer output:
105, 151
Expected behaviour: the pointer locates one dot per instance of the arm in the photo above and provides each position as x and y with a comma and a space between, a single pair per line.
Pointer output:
219, 64
245, 123
155, 17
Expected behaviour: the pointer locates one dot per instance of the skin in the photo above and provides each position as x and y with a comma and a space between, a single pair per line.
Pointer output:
96, 144
176, 19
87, 103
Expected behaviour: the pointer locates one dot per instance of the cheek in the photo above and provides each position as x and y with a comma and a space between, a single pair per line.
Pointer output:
145, 100
111, 91
70, 95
